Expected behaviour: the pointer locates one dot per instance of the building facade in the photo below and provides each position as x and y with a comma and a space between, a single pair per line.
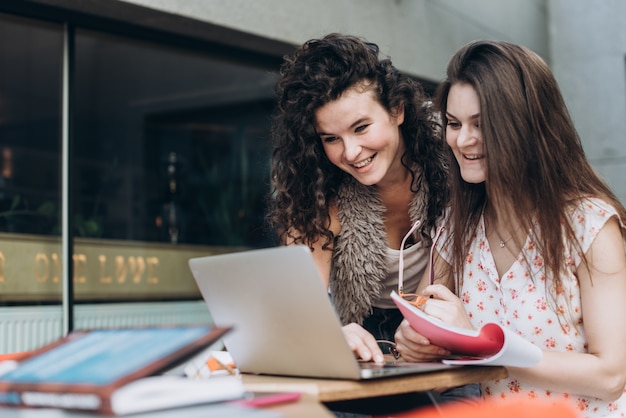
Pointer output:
134, 134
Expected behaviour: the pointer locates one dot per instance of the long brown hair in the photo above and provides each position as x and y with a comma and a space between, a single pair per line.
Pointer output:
536, 165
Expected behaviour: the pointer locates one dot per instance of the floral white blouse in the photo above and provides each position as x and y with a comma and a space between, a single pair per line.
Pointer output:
518, 300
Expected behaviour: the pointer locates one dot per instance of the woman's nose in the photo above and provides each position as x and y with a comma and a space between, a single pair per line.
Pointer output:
467, 136
352, 149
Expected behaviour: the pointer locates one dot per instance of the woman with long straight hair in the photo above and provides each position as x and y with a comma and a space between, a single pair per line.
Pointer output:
534, 238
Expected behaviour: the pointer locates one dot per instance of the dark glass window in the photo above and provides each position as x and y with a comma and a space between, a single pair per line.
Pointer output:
30, 126
169, 159
171, 145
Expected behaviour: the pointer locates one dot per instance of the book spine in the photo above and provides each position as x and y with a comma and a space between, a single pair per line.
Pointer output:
71, 401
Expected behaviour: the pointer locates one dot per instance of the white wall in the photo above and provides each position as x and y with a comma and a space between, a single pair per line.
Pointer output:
419, 35
588, 48
584, 42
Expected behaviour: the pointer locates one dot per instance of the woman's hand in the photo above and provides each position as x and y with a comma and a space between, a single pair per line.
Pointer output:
362, 343
444, 305
415, 347
441, 303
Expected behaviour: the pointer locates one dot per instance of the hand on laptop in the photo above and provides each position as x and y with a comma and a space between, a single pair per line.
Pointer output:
362, 343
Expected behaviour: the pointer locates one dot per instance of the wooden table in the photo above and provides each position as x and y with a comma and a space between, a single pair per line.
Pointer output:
315, 392
330, 390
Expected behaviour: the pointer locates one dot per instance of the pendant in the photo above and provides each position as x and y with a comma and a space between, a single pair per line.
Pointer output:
501, 244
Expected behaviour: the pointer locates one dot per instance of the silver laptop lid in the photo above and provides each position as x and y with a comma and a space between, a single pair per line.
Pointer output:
283, 320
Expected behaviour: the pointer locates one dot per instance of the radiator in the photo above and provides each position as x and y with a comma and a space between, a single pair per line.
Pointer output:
24, 328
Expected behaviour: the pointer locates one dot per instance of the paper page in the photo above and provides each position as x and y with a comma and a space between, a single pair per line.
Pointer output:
159, 392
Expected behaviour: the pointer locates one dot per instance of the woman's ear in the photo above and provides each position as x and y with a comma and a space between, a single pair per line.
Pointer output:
399, 114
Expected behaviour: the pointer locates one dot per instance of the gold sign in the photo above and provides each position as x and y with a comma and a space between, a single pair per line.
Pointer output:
31, 269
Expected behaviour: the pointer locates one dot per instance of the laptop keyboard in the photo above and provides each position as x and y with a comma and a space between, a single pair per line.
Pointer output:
393, 364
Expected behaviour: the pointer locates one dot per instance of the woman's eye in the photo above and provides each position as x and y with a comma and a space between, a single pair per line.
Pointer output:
361, 128
329, 139
453, 124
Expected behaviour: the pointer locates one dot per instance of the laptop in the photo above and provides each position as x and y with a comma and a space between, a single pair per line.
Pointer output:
282, 317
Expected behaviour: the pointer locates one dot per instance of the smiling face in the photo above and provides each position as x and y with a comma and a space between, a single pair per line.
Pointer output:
463, 132
360, 137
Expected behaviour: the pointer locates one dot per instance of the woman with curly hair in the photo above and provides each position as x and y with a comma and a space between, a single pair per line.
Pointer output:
357, 161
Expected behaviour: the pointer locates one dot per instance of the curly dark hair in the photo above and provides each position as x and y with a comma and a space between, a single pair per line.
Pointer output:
304, 180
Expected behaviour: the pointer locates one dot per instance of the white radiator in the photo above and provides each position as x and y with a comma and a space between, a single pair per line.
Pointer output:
24, 328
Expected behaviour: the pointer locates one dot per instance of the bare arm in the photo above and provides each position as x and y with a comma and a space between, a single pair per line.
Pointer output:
322, 257
362, 343
602, 371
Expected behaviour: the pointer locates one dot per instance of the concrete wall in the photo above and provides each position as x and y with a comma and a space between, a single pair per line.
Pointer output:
419, 35
588, 48
583, 41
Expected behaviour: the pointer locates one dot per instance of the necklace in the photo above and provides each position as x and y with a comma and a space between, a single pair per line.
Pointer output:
503, 242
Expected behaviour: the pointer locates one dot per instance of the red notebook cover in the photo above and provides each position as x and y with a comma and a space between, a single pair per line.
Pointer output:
492, 344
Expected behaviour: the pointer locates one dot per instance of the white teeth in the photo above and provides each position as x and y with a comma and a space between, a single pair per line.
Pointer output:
473, 157
363, 163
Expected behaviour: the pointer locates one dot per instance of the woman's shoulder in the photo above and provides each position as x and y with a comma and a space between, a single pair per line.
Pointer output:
592, 207
588, 216
335, 223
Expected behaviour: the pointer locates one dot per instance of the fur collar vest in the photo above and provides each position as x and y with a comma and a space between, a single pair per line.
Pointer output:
359, 256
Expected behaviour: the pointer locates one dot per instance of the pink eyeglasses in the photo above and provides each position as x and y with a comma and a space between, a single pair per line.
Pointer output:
413, 298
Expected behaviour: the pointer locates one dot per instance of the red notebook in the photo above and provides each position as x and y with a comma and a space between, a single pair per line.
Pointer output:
492, 344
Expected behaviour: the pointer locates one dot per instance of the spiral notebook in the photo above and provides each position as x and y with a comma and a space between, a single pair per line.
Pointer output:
282, 317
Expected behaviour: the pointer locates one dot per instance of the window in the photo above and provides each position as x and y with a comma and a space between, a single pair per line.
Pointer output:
169, 160
30, 128
171, 148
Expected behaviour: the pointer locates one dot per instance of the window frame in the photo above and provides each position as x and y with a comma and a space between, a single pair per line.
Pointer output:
136, 23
